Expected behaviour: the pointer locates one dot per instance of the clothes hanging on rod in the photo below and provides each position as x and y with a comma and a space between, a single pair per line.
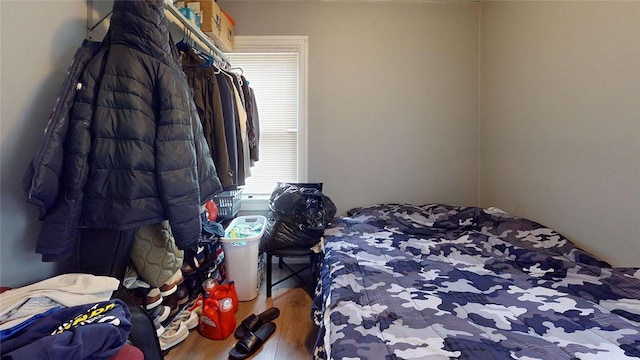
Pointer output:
253, 121
228, 113
244, 168
248, 99
228, 118
206, 95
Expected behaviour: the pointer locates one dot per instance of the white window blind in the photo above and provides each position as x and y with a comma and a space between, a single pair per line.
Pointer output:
274, 72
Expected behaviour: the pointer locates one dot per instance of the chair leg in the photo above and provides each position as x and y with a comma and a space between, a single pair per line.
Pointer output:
268, 275
297, 273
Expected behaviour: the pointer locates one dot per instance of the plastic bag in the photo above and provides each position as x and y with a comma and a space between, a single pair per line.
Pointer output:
298, 215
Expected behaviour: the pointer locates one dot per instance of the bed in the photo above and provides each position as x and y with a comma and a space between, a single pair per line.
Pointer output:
401, 281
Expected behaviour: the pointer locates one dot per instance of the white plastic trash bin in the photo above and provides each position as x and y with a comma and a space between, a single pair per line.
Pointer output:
241, 254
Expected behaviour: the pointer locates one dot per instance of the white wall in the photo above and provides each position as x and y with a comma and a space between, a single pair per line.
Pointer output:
560, 119
393, 95
38, 40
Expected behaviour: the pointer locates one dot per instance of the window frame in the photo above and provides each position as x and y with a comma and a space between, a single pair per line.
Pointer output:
275, 44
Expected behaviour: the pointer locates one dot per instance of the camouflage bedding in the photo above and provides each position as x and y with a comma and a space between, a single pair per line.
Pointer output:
446, 282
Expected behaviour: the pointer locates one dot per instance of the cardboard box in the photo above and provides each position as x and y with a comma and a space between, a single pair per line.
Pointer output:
223, 39
211, 21
227, 32
216, 24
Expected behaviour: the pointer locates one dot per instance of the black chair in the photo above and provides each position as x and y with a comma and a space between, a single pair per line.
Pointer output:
294, 252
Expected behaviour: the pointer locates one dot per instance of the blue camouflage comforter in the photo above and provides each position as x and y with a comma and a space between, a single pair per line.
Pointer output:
449, 282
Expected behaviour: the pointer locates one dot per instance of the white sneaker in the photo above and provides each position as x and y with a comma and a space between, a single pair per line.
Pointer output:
159, 330
158, 325
163, 313
174, 334
189, 318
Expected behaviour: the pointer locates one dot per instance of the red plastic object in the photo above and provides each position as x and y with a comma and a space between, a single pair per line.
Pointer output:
217, 321
212, 210
227, 291
221, 291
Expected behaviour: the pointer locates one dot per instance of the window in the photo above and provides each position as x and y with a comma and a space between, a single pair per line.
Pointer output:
276, 68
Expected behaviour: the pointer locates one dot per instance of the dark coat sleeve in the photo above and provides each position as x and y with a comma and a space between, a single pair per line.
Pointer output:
43, 178
60, 230
185, 171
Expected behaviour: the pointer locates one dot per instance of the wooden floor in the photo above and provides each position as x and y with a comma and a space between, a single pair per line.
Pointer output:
293, 339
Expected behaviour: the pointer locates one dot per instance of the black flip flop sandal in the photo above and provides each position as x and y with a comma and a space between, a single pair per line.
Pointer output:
253, 322
250, 344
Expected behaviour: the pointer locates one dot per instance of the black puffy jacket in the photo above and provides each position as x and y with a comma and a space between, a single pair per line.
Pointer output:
134, 152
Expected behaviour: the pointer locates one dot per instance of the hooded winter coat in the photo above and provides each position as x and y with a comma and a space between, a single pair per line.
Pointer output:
134, 153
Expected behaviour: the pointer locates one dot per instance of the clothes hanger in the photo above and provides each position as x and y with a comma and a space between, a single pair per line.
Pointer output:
235, 71
183, 44
208, 59
216, 65
187, 43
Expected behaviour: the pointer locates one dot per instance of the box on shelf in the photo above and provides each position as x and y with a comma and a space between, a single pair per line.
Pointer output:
211, 15
216, 24
227, 32
191, 16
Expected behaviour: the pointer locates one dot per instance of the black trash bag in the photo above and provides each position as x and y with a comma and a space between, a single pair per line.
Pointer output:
307, 207
298, 215
281, 235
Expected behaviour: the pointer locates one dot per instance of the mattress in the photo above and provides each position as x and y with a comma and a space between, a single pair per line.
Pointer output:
437, 281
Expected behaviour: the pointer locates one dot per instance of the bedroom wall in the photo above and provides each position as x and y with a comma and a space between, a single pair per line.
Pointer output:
393, 95
393, 109
33, 64
559, 124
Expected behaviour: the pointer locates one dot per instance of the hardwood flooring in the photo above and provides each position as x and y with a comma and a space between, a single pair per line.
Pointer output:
295, 331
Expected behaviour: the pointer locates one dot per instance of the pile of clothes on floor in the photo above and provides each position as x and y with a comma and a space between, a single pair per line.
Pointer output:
69, 316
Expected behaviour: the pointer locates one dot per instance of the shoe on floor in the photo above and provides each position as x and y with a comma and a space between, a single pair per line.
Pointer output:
147, 298
160, 313
159, 329
171, 285
172, 302
157, 324
173, 335
190, 318
176, 300
250, 344
254, 322
182, 294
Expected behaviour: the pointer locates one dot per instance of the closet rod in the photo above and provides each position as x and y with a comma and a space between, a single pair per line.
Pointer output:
175, 17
